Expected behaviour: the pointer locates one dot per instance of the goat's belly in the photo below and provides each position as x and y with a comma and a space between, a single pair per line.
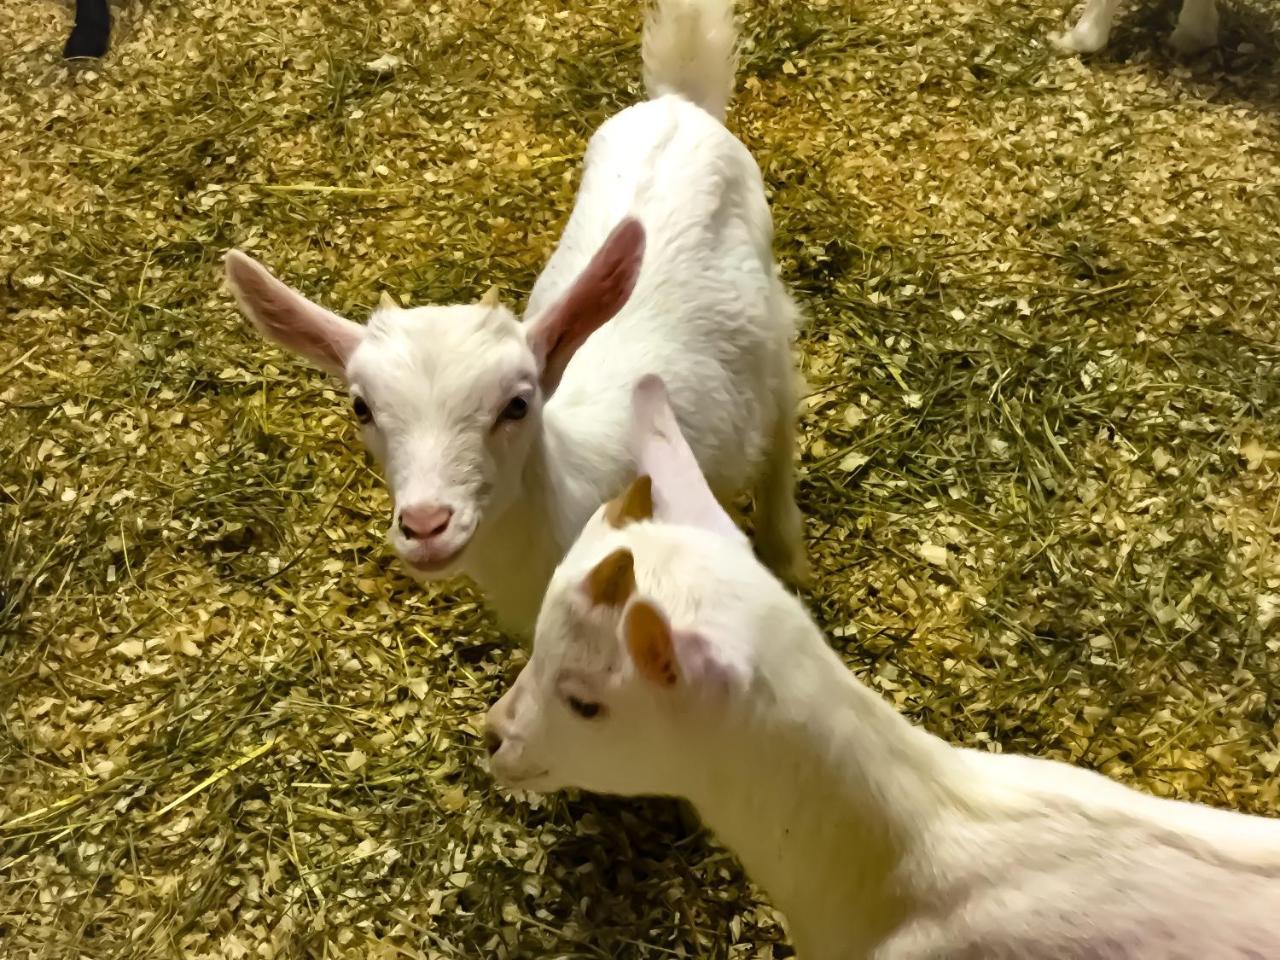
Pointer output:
1203, 914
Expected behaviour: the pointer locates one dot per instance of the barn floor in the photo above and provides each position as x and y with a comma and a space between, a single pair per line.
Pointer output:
1041, 461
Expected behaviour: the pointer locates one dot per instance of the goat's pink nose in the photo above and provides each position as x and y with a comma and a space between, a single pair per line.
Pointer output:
424, 522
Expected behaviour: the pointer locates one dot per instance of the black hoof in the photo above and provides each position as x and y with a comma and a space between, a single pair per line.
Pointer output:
87, 42
92, 33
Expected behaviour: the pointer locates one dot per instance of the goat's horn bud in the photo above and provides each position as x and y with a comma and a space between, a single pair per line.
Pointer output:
387, 302
490, 298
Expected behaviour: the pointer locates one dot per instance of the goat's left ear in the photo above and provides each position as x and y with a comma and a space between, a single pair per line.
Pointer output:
599, 292
667, 657
679, 492
650, 643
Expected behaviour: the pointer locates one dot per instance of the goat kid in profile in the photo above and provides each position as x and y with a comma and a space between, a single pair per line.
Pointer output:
668, 661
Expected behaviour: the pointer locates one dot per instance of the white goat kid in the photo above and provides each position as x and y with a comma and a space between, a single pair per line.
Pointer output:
1197, 27
668, 661
499, 438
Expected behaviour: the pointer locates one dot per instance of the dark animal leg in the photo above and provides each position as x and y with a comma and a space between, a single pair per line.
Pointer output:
92, 31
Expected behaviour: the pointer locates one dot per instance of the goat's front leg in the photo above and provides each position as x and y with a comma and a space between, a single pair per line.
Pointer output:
1197, 27
91, 35
1092, 30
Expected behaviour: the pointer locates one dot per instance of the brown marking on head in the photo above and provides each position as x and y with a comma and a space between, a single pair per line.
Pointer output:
612, 581
649, 642
634, 503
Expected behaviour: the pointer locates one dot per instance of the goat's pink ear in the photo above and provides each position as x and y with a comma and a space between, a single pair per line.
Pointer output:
599, 292
285, 316
680, 492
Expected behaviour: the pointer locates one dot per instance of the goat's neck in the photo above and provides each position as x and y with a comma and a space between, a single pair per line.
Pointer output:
826, 794
520, 549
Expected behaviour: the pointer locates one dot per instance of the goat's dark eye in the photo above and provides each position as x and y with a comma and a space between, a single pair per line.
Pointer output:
515, 409
583, 708
362, 411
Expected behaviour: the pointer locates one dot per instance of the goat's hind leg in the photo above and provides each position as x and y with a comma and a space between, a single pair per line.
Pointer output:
1197, 28
778, 524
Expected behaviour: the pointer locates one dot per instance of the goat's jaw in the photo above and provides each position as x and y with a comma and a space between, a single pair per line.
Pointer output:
534, 782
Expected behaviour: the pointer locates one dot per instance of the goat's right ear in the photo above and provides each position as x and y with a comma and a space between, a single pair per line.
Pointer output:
680, 493
284, 316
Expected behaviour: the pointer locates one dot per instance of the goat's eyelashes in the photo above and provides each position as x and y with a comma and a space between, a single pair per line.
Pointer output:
584, 708
515, 409
361, 409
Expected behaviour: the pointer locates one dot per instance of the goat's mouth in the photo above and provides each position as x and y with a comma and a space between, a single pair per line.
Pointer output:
431, 559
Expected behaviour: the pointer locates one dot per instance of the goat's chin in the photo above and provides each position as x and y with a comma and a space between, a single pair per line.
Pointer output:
432, 565
539, 781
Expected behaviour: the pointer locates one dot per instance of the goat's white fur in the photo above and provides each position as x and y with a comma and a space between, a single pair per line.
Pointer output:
875, 838
1197, 27
708, 312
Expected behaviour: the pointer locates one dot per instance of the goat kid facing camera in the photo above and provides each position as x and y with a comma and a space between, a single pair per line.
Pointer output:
668, 661
497, 437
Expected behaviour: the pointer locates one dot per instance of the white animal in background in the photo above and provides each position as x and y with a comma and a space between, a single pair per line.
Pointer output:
668, 661
499, 438
1197, 27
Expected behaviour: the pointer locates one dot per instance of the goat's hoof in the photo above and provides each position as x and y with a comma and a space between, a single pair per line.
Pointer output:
1188, 42
689, 818
87, 40
790, 566
1072, 41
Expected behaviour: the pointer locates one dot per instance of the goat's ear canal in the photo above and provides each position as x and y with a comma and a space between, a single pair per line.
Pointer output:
612, 581
634, 503
649, 641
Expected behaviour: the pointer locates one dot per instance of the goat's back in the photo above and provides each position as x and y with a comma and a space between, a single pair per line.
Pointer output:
1063, 863
708, 313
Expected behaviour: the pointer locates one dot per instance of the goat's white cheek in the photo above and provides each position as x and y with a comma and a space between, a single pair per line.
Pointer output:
503, 459
371, 437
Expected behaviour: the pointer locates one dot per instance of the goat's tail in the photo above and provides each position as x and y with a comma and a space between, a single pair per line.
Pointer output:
690, 48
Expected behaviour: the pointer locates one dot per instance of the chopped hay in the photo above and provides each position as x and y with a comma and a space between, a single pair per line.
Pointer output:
1040, 464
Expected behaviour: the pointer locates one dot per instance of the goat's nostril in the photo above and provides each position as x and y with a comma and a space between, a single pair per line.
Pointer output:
424, 523
492, 742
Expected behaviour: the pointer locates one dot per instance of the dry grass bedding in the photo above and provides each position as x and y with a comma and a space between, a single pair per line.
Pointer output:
1040, 462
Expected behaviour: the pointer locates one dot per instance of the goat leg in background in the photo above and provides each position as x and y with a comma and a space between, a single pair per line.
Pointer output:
92, 32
